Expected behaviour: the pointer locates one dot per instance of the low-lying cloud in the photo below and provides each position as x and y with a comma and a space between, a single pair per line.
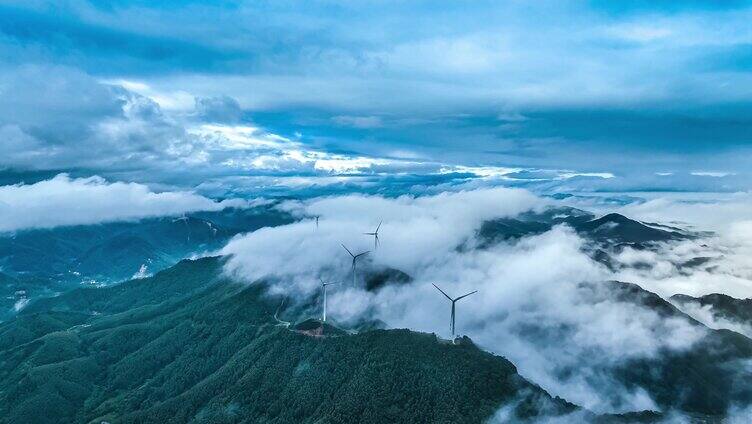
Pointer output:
63, 200
542, 301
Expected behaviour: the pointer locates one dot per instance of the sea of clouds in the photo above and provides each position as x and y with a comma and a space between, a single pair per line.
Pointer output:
542, 301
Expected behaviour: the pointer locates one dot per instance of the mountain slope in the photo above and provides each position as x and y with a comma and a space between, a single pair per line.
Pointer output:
612, 229
48, 261
618, 229
705, 379
187, 345
530, 223
721, 305
90, 251
718, 311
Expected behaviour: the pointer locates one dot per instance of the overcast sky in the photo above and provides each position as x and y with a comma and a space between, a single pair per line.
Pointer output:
232, 98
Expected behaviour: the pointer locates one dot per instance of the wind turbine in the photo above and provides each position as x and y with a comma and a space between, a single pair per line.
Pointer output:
317, 221
375, 235
324, 286
354, 260
454, 301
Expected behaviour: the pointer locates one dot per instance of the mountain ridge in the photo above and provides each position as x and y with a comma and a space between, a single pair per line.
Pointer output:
143, 347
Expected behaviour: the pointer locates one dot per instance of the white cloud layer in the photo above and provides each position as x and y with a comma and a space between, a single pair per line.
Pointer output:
542, 302
66, 201
728, 248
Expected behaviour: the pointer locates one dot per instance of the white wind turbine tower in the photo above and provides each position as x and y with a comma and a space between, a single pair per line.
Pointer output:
324, 285
375, 235
354, 260
454, 301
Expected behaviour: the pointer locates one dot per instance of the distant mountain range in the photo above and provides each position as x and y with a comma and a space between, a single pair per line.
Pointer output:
46, 261
606, 235
613, 228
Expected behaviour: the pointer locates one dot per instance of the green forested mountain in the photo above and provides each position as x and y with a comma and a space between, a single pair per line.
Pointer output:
115, 251
612, 229
706, 380
42, 262
189, 346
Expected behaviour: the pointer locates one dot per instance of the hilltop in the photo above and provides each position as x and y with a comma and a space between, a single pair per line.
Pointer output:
188, 344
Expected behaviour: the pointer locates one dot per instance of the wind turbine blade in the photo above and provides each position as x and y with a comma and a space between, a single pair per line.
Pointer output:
442, 291
361, 254
465, 295
377, 228
348, 250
